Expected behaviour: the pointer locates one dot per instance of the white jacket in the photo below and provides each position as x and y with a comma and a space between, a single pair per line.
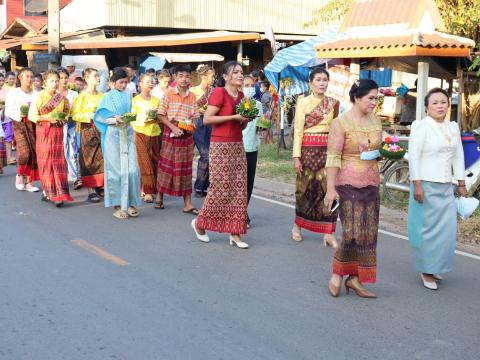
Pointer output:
431, 156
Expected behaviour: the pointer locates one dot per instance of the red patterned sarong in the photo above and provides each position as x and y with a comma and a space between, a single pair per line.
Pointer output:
148, 153
51, 162
225, 207
310, 211
3, 155
174, 175
90, 157
359, 214
26, 155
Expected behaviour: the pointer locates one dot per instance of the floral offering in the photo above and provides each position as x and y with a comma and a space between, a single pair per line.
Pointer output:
392, 149
264, 123
24, 109
129, 117
247, 108
188, 124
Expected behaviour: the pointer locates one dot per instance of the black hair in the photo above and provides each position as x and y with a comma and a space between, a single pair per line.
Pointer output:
130, 66
150, 71
255, 73
360, 88
79, 78
203, 69
265, 83
62, 71
436, 90
38, 76
49, 73
163, 74
88, 71
227, 68
117, 74
318, 70
9, 73
2, 75
261, 75
182, 68
25, 69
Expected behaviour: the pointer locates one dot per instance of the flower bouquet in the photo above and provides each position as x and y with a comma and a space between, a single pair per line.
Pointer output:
392, 149
152, 114
24, 109
264, 123
188, 124
247, 108
129, 117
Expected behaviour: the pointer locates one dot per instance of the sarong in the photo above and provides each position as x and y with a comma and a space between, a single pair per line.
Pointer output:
174, 175
310, 210
225, 207
359, 214
71, 150
3, 155
25, 138
432, 228
202, 142
148, 153
51, 162
91, 157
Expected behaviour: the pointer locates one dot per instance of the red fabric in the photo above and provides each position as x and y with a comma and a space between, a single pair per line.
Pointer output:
51, 162
230, 130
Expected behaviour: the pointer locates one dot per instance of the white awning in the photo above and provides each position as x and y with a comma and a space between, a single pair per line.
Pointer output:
188, 57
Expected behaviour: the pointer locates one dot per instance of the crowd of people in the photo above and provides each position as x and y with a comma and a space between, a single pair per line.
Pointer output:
131, 144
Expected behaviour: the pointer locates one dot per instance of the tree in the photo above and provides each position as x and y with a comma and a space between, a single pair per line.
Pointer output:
464, 20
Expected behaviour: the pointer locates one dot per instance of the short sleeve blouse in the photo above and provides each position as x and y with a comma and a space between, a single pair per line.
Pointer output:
230, 130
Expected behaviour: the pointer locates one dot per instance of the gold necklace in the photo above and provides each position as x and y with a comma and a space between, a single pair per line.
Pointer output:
443, 126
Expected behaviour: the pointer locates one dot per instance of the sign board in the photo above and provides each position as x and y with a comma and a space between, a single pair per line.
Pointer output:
44, 58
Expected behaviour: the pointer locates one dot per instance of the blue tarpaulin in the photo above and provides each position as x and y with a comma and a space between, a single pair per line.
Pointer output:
294, 63
153, 62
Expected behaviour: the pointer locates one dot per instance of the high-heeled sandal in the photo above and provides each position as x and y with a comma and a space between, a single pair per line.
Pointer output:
360, 291
239, 244
296, 236
334, 290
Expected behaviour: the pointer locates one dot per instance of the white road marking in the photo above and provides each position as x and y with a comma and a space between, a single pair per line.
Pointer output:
385, 232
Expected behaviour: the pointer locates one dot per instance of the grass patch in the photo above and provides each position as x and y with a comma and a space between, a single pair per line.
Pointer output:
275, 165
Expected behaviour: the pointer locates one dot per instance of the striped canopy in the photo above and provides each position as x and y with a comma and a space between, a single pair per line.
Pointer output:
292, 64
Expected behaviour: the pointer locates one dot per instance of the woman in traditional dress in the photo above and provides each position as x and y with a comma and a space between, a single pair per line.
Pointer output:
90, 154
225, 207
50, 150
436, 157
70, 134
251, 140
313, 116
147, 136
122, 178
24, 130
203, 132
3, 153
353, 180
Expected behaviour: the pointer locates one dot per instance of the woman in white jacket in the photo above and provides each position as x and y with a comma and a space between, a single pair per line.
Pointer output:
436, 158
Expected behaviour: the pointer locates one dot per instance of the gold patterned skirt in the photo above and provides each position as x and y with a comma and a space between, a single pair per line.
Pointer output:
359, 214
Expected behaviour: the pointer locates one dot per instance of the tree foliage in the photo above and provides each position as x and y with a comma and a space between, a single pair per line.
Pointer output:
461, 17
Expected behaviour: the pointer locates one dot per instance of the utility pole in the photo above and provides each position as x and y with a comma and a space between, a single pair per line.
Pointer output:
54, 33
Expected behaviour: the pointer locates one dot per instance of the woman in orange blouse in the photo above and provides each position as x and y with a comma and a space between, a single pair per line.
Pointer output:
353, 180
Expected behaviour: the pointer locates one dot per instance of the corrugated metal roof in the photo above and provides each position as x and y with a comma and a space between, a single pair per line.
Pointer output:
434, 40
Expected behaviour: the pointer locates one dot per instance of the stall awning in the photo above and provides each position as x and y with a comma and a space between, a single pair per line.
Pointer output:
160, 40
188, 57
412, 44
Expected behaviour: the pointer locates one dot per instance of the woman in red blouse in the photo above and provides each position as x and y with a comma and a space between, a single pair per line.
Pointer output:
225, 207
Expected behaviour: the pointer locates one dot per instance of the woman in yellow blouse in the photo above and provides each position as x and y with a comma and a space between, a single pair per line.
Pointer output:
50, 111
147, 136
313, 116
90, 157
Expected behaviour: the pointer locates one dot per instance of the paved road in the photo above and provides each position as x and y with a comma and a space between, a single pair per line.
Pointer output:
181, 299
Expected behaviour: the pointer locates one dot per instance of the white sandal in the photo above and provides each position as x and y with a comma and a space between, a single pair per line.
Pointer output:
203, 238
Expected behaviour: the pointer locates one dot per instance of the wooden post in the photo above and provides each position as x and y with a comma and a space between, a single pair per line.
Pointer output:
355, 69
54, 31
240, 52
422, 85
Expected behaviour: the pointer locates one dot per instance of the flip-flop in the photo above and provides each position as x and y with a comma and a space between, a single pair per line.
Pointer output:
159, 205
133, 212
120, 214
193, 211
77, 185
148, 199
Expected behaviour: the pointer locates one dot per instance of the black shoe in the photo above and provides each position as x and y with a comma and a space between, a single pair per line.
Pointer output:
199, 194
100, 192
45, 198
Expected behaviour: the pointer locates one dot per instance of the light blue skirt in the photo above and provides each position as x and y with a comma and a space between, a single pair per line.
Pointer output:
432, 228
